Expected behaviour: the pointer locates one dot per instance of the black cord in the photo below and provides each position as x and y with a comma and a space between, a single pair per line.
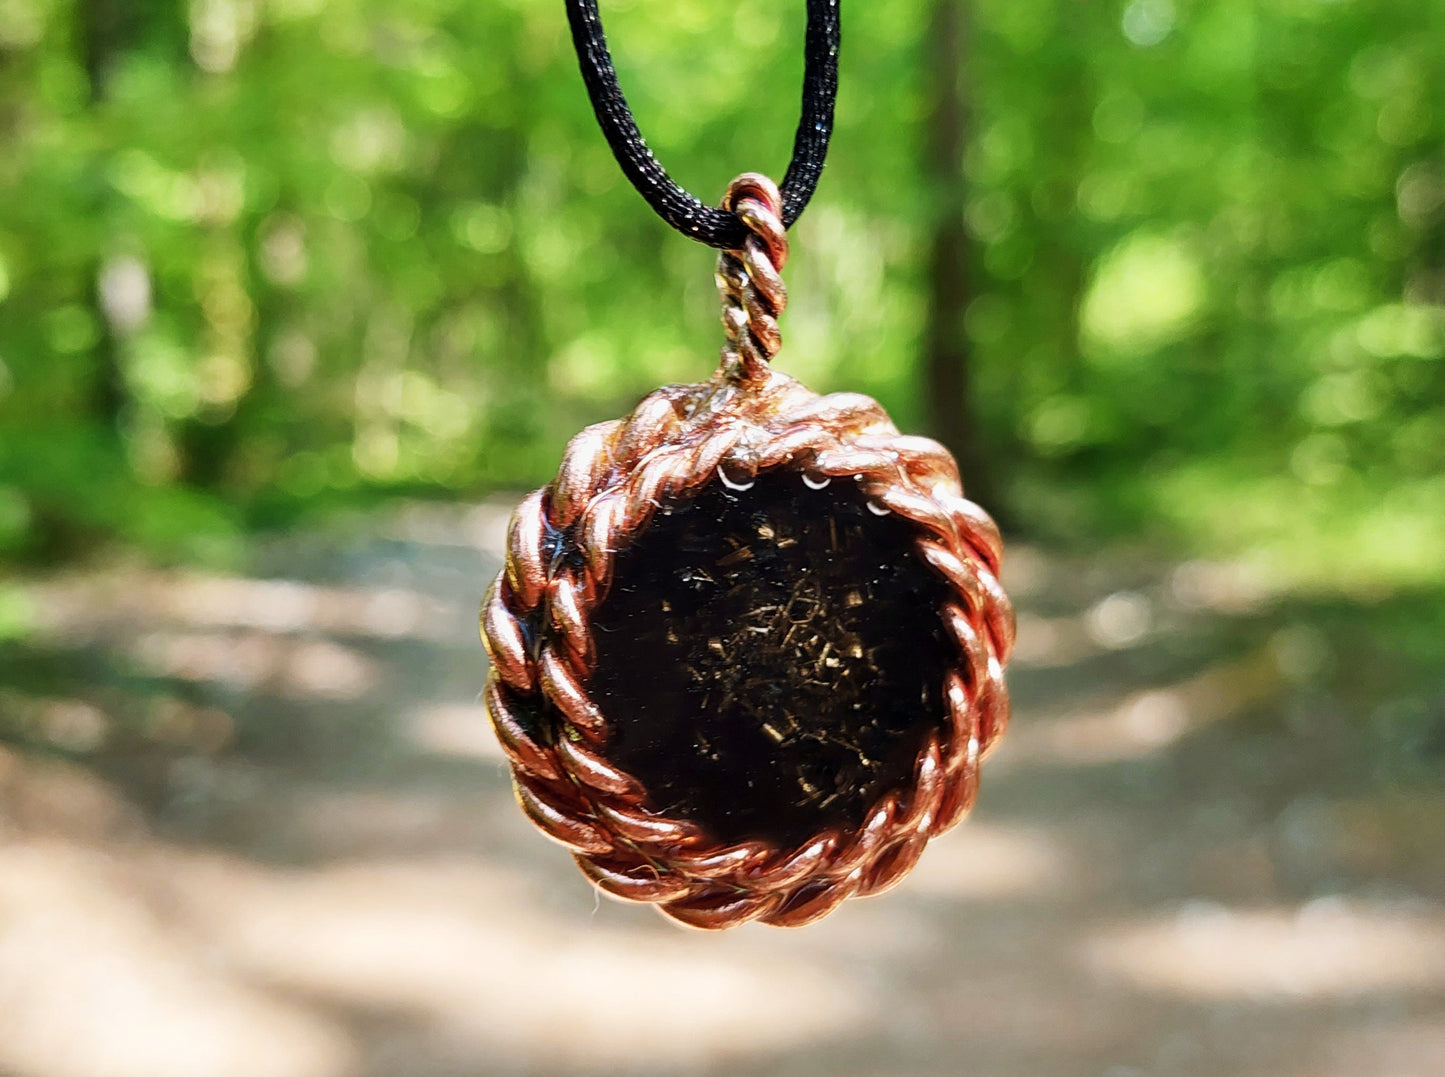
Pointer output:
691, 217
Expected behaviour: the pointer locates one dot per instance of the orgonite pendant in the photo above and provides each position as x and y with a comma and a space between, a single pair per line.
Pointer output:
747, 648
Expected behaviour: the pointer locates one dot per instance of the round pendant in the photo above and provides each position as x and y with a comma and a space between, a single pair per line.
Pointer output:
747, 649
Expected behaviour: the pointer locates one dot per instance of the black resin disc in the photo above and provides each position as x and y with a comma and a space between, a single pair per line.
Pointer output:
770, 660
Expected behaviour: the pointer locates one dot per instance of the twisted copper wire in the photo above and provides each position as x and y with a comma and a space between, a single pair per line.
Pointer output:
750, 279
561, 550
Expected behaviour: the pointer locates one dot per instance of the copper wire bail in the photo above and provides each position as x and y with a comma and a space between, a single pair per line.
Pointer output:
750, 280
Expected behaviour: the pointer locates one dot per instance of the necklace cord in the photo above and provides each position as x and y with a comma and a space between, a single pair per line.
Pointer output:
715, 227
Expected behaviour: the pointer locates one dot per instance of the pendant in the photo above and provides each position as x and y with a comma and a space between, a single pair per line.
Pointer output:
747, 650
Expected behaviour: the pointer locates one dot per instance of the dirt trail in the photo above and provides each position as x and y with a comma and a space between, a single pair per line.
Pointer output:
256, 826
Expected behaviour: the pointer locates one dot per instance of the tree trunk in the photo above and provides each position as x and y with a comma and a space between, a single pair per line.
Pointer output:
947, 374
105, 31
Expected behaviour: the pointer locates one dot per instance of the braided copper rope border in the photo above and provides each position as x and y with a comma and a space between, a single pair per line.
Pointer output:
561, 551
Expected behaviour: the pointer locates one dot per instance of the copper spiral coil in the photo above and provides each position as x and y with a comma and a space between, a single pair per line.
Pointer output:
614, 476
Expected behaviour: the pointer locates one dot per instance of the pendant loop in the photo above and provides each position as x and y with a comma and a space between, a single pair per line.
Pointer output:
750, 280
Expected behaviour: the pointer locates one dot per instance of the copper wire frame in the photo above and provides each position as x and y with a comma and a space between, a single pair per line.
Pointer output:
561, 551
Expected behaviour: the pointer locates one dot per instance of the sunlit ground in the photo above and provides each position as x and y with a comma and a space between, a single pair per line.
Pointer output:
257, 826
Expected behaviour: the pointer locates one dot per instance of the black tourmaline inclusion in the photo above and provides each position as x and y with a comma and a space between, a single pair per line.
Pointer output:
770, 660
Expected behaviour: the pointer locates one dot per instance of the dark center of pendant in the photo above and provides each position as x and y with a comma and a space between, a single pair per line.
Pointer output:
770, 660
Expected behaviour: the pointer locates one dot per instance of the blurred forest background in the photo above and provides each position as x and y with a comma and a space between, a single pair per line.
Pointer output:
297, 295
1160, 268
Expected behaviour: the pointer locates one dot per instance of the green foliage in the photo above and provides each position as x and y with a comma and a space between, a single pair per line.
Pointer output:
258, 255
